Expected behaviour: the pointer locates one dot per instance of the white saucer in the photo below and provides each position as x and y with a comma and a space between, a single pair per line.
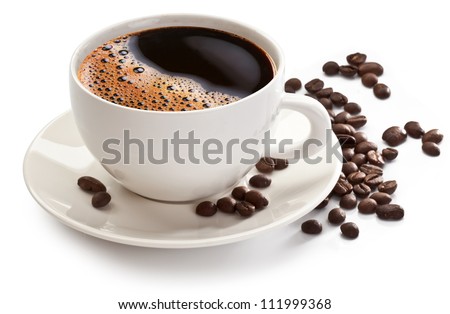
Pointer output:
57, 158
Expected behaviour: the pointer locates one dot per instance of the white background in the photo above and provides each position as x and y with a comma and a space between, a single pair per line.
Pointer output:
392, 267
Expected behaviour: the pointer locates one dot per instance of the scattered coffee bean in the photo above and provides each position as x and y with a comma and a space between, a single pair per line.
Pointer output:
357, 121
336, 216
365, 147
326, 103
206, 209
362, 189
348, 154
330, 68
414, 129
265, 165
101, 199
245, 209
314, 85
342, 187
394, 136
256, 198
356, 177
369, 79
373, 180
280, 163
260, 181
356, 58
342, 117
368, 169
360, 137
349, 167
91, 184
388, 187
381, 198
338, 99
390, 212
359, 159
370, 67
312, 226
292, 85
352, 108
348, 201
389, 153
324, 93
375, 158
239, 192
381, 91
346, 141
433, 135
226, 204
431, 149
350, 230
324, 203
367, 206
342, 128
348, 70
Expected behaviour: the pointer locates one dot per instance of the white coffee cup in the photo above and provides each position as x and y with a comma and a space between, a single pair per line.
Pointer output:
119, 137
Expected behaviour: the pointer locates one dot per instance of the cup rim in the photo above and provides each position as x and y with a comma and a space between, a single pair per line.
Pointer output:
279, 63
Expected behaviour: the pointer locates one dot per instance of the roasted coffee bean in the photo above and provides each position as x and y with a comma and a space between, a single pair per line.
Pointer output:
256, 198
91, 184
206, 209
314, 85
101, 199
336, 216
362, 189
381, 198
260, 181
356, 177
352, 108
360, 137
239, 192
433, 135
375, 158
292, 85
348, 201
342, 117
367, 206
245, 209
389, 153
342, 128
373, 180
324, 203
265, 165
312, 226
414, 129
365, 147
326, 103
346, 140
349, 167
226, 204
338, 99
350, 230
369, 79
280, 163
394, 135
348, 70
324, 92
359, 159
370, 67
330, 68
390, 212
342, 187
348, 154
368, 169
388, 187
431, 149
381, 91
356, 58
357, 121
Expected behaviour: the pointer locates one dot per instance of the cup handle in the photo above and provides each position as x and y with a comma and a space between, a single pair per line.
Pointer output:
318, 118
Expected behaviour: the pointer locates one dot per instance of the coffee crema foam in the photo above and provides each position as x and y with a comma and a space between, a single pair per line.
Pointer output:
112, 72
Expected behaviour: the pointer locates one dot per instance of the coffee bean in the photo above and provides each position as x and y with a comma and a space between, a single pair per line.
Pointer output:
348, 154
433, 135
265, 165
359, 159
338, 99
365, 147
368, 169
312, 226
314, 85
367, 206
356, 58
349, 167
342, 187
389, 153
260, 181
324, 92
431, 149
369, 79
394, 136
100, 199
414, 129
336, 216
348, 70
357, 121
280, 163
381, 198
348, 201
292, 85
226, 204
346, 140
350, 230
356, 177
239, 192
326, 103
381, 91
373, 180
206, 209
390, 212
388, 187
330, 68
360, 137
245, 209
342, 117
324, 203
343, 128
352, 108
375, 158
256, 198
370, 67
91, 184
362, 189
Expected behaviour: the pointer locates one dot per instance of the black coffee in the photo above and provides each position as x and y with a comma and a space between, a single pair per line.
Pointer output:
176, 69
